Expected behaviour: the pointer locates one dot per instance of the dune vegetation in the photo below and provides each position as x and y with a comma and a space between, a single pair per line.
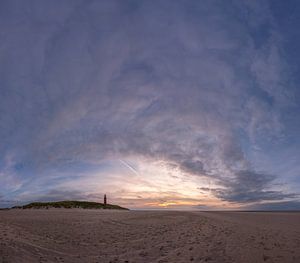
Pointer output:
70, 204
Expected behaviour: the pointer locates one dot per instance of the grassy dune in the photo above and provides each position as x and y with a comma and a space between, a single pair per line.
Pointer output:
71, 204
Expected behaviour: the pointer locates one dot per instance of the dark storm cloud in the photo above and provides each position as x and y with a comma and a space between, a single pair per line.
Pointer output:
86, 81
250, 186
192, 166
287, 205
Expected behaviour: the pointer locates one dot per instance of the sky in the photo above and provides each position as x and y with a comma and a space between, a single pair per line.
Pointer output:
159, 104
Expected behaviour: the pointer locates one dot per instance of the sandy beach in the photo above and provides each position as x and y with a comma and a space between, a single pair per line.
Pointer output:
77, 235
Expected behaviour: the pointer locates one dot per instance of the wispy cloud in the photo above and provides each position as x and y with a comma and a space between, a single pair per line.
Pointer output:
130, 167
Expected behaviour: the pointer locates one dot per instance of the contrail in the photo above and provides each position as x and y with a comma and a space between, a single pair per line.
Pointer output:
129, 167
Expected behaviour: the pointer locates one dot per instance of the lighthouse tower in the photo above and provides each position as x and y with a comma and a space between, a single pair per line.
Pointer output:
105, 200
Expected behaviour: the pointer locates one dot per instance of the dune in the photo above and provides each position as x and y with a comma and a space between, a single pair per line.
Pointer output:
69, 204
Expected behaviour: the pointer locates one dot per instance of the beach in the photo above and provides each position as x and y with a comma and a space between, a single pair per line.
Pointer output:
80, 235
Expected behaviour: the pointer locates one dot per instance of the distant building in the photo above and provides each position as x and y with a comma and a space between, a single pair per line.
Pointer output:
105, 200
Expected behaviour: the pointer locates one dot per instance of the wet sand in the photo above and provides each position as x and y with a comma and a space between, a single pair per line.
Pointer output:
75, 235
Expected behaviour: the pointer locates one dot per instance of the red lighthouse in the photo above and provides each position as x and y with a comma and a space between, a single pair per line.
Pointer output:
105, 201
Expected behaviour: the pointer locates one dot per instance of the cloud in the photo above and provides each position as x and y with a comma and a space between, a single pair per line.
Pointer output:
184, 83
59, 195
4, 203
249, 186
193, 167
287, 205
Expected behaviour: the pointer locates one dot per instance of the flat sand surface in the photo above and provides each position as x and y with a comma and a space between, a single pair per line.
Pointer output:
75, 235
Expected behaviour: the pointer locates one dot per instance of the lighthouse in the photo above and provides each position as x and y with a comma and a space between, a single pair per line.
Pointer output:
105, 201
